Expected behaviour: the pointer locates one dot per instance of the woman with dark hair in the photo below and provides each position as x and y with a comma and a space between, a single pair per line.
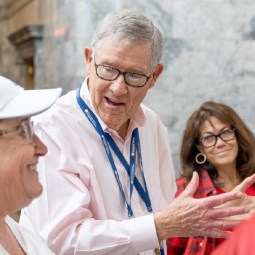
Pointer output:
221, 149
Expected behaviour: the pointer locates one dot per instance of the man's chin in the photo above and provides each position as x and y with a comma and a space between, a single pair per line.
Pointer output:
114, 126
113, 121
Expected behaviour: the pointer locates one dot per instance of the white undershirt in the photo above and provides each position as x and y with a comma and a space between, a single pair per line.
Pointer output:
28, 241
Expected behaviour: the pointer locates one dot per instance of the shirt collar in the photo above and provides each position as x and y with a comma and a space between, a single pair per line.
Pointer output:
137, 120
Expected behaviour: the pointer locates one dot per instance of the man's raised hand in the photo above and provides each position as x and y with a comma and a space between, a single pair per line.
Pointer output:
186, 216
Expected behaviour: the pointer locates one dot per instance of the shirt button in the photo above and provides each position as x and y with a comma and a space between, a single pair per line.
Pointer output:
201, 244
138, 212
214, 192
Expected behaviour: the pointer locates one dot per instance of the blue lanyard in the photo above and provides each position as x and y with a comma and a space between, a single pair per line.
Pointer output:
134, 145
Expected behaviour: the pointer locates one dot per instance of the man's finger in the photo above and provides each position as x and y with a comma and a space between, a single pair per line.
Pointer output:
239, 217
226, 212
216, 233
214, 201
245, 184
223, 224
192, 186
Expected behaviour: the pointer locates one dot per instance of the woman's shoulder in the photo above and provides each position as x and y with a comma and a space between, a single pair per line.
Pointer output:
28, 240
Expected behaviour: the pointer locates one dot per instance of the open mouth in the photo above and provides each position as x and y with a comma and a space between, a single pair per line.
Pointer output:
110, 102
32, 167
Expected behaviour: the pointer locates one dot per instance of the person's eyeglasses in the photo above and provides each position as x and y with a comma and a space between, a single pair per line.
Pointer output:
211, 140
25, 129
111, 74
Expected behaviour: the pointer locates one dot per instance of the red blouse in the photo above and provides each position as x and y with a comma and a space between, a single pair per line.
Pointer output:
200, 245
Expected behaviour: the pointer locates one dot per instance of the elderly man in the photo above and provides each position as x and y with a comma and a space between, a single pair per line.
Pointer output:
108, 177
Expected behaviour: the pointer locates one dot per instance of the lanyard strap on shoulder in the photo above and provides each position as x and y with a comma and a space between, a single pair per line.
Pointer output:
135, 144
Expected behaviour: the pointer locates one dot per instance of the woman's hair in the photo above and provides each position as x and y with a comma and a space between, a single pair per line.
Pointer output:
245, 161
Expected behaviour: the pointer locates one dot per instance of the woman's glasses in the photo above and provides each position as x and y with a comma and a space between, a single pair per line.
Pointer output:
211, 140
25, 129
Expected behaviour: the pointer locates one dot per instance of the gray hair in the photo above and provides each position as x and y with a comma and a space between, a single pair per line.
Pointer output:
131, 27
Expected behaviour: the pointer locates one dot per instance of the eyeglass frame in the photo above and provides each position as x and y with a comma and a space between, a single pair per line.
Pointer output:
124, 73
24, 125
199, 140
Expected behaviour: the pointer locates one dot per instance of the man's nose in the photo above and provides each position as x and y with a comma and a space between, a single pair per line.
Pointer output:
119, 86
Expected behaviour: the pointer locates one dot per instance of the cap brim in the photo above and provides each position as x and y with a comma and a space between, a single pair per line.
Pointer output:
30, 102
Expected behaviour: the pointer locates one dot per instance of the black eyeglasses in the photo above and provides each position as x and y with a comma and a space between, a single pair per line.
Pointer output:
211, 140
111, 74
25, 129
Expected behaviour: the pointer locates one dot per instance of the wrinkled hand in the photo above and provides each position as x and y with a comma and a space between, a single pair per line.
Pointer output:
246, 200
186, 216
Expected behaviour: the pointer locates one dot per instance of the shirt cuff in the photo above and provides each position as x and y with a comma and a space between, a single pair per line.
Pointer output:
143, 233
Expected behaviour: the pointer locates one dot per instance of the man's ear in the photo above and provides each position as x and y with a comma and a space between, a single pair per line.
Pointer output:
88, 57
158, 70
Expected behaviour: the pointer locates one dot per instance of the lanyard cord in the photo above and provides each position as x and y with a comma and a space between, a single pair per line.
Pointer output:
135, 144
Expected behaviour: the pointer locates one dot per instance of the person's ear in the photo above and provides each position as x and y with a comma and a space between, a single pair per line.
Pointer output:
200, 148
158, 70
88, 57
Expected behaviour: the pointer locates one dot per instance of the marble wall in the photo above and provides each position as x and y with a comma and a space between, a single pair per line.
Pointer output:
15, 15
209, 53
69, 28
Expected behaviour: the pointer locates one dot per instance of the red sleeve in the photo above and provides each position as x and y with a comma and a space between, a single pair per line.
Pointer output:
177, 245
241, 242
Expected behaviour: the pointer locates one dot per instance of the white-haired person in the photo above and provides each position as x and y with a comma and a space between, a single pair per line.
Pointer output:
20, 150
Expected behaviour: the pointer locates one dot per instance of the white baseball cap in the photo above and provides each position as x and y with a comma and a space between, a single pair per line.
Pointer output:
17, 102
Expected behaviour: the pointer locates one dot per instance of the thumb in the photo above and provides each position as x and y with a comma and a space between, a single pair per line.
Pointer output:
245, 184
192, 187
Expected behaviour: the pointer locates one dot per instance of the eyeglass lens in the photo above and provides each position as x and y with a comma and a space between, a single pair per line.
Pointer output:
132, 79
226, 135
29, 131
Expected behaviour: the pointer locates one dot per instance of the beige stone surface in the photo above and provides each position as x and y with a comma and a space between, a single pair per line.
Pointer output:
23, 14
14, 15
